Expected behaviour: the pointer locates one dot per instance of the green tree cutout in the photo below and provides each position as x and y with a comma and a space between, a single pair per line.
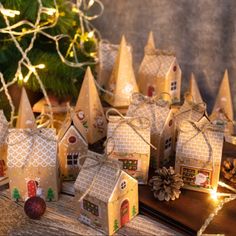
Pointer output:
134, 211
16, 194
50, 194
116, 226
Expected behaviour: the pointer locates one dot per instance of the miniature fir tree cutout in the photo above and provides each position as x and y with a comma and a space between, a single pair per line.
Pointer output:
150, 46
223, 108
122, 83
194, 95
26, 117
89, 110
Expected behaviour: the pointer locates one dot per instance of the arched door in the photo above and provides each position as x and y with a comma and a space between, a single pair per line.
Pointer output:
150, 91
1, 168
32, 188
124, 212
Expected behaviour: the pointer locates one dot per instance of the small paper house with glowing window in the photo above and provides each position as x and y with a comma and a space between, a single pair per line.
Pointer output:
128, 145
3, 145
72, 144
223, 109
159, 73
199, 153
162, 123
32, 158
122, 83
112, 199
89, 110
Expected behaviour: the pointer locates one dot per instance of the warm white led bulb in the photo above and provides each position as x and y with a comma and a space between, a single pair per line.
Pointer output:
10, 13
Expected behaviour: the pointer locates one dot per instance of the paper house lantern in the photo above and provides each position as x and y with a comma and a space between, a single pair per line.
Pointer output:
72, 145
198, 154
89, 110
122, 83
112, 199
32, 164
128, 146
159, 74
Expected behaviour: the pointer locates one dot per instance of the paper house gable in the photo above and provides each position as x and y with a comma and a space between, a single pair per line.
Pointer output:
72, 145
3, 145
112, 200
89, 110
160, 74
107, 54
32, 164
122, 82
223, 109
198, 154
129, 148
193, 108
162, 127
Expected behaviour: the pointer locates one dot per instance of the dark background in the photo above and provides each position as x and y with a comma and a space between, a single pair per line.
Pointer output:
201, 32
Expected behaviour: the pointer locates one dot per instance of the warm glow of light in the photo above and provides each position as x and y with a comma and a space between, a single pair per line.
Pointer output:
27, 77
74, 9
41, 66
49, 11
214, 195
90, 34
10, 13
20, 76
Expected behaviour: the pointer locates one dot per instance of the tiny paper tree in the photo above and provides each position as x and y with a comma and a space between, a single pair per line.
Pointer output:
50, 194
16, 194
134, 212
115, 227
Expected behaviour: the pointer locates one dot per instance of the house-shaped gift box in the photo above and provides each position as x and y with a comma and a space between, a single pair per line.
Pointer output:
159, 73
199, 153
71, 144
32, 164
162, 124
112, 195
3, 145
129, 143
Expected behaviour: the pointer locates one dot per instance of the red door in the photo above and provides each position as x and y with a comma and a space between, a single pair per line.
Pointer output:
151, 91
1, 168
124, 212
31, 186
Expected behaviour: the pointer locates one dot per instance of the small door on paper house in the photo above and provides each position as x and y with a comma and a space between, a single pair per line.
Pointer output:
151, 91
1, 168
32, 188
124, 212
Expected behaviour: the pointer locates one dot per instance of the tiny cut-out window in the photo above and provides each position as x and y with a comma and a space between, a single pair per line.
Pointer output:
175, 68
129, 164
123, 184
72, 159
170, 122
168, 143
173, 85
72, 139
91, 207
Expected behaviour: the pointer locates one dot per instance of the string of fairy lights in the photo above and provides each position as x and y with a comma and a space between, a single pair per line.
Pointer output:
38, 28
86, 26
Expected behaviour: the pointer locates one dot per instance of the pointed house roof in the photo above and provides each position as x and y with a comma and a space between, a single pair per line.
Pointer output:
195, 95
122, 82
72, 120
150, 46
26, 117
224, 99
101, 179
89, 103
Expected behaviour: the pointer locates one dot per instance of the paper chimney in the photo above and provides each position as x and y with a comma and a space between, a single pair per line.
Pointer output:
122, 83
194, 94
90, 111
26, 117
150, 46
223, 108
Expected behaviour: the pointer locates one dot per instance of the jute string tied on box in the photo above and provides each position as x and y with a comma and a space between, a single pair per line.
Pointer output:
31, 134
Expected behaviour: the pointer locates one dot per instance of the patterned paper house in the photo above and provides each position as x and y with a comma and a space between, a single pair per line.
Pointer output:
129, 147
162, 126
3, 145
199, 153
32, 164
223, 108
72, 144
159, 74
193, 108
112, 199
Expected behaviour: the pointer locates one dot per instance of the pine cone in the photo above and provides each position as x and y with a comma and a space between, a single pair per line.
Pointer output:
166, 184
229, 169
